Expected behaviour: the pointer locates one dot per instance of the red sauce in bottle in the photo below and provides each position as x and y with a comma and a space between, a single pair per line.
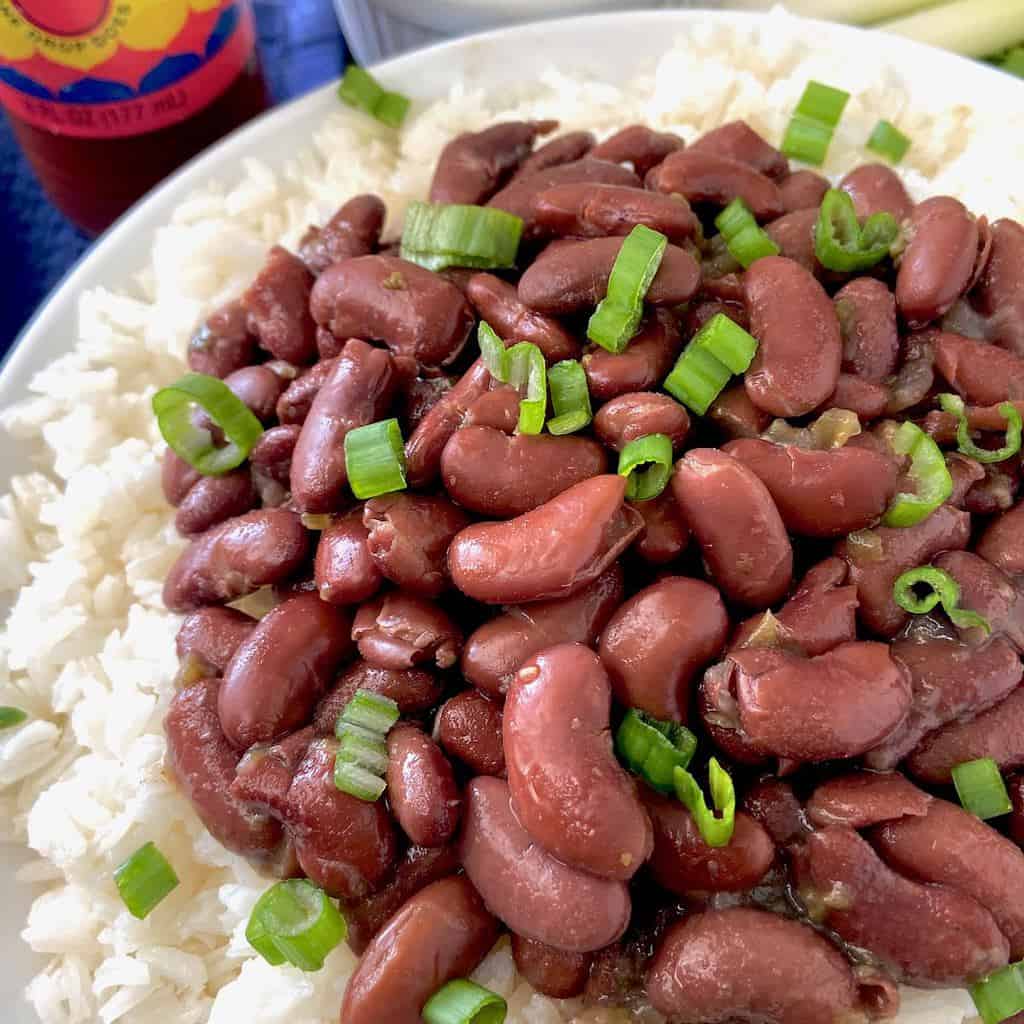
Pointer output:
107, 97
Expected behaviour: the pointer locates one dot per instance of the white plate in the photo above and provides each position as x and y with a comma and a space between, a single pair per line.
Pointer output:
606, 47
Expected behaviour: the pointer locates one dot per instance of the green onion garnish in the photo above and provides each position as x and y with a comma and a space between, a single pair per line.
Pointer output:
371, 711
1012, 61
368, 752
654, 749
981, 788
888, 141
144, 879
618, 314
358, 781
439, 235
653, 453
464, 1002
944, 590
362, 756
492, 351
929, 473
744, 239
173, 409
570, 397
715, 829
842, 243
954, 405
375, 459
1000, 995
527, 373
360, 89
717, 351
10, 717
294, 922
814, 122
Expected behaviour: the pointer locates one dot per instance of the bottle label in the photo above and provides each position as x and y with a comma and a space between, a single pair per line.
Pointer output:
111, 68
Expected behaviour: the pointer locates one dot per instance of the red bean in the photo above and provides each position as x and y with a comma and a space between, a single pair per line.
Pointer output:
419, 395
534, 894
793, 233
803, 190
414, 690
421, 787
735, 414
177, 477
989, 592
738, 141
562, 149
638, 145
772, 804
497, 409
982, 373
400, 630
998, 294
222, 343
345, 571
867, 315
551, 551
271, 456
295, 402
264, 775
637, 414
212, 635
212, 499
469, 727
258, 388
869, 401
1002, 543
644, 364
353, 231
665, 536
861, 799
552, 972
277, 304
877, 188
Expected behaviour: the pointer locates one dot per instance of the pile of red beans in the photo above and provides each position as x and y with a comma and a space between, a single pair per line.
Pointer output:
514, 604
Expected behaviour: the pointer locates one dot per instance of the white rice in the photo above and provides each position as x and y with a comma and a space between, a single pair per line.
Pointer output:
85, 542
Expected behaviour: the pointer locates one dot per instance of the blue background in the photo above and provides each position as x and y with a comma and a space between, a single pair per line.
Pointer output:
300, 46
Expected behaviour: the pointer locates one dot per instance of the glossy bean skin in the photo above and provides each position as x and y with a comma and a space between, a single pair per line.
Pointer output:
271, 456
474, 165
821, 614
877, 188
637, 414
800, 348
861, 799
552, 972
498, 303
950, 681
277, 304
562, 149
264, 775
938, 262
552, 551
876, 559
203, 763
345, 572
738, 141
353, 231
773, 805
469, 727
222, 342
296, 400
793, 233
401, 630
212, 499
867, 317
702, 177
497, 409
683, 863
867, 400
258, 388
736, 416
998, 294
568, 790
933, 936
1002, 543
997, 733
656, 643
358, 392
594, 211
981, 372
421, 787
408, 537
665, 536
384, 298
988, 591
495, 650
571, 276
212, 635
419, 867
949, 846
177, 477
638, 145
236, 558
501, 476
735, 521
803, 190
768, 969
821, 493
278, 673
534, 894
644, 364
414, 690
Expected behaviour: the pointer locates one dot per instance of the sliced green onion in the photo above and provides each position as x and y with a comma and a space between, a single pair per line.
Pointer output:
1000, 995
717, 351
358, 781
360, 89
368, 752
492, 351
654, 453
745, 240
715, 829
375, 459
981, 789
173, 406
464, 1002
1012, 61
929, 473
654, 749
813, 123
144, 879
570, 397
343, 729
842, 243
439, 235
527, 373
618, 314
944, 590
888, 141
10, 717
294, 922
954, 405
372, 711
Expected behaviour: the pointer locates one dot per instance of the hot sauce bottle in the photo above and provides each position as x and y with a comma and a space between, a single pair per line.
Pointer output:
107, 97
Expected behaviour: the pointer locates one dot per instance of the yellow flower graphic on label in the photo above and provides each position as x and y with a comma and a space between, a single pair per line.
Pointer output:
81, 34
